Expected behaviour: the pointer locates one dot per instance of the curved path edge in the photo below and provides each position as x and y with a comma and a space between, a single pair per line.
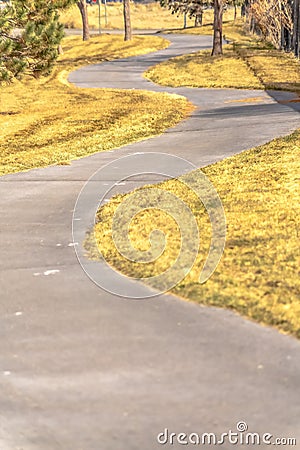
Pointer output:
83, 369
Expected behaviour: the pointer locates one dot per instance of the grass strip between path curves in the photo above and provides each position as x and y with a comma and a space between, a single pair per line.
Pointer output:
258, 275
247, 63
49, 121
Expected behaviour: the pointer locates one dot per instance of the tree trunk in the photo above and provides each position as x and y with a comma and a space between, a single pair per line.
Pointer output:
246, 6
127, 21
199, 19
243, 10
235, 9
184, 20
85, 24
105, 12
296, 28
218, 28
252, 24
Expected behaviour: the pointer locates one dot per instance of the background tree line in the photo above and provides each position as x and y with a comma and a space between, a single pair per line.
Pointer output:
30, 31
275, 20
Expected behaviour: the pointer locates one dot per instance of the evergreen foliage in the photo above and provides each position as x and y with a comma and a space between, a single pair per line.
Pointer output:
30, 34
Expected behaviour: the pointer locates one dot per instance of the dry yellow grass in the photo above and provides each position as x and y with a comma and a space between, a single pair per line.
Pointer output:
49, 122
275, 69
143, 17
106, 48
201, 71
247, 63
231, 27
259, 273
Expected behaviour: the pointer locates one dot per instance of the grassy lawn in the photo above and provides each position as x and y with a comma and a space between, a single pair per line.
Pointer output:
247, 63
143, 16
48, 121
259, 273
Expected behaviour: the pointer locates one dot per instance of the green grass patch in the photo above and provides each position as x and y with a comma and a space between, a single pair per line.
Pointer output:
258, 275
50, 121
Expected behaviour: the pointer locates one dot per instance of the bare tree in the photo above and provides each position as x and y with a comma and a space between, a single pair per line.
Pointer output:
272, 17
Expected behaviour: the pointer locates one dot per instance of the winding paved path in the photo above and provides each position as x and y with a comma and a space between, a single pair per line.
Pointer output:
81, 369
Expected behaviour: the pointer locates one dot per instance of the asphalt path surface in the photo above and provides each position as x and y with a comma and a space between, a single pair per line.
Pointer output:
82, 369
